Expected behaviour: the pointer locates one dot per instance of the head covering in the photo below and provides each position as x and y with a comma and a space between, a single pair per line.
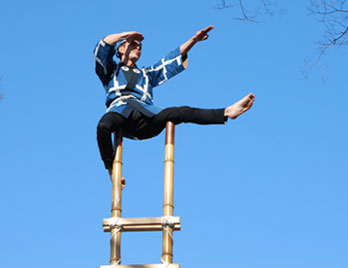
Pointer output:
118, 55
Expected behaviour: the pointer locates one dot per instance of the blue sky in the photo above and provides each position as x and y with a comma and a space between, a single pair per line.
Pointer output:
267, 190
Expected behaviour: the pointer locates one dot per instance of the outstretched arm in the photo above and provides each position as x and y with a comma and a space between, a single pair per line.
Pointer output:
112, 39
199, 36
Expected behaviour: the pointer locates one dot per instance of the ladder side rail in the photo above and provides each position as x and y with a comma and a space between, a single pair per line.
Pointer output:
116, 211
168, 202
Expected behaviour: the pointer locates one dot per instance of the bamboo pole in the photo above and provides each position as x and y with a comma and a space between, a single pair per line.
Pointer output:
115, 242
168, 207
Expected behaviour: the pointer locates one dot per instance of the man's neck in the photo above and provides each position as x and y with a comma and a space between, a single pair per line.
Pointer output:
128, 62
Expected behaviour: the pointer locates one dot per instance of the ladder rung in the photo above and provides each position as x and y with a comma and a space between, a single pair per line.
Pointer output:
143, 228
170, 265
141, 224
142, 221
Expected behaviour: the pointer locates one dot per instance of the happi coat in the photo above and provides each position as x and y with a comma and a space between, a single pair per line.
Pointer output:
129, 88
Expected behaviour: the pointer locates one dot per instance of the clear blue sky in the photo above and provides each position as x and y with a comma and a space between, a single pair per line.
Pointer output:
268, 190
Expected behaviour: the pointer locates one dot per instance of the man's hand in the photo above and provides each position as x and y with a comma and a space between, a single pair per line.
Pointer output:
199, 36
203, 34
112, 39
131, 36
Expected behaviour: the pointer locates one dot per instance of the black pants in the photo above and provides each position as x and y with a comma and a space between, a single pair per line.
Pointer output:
143, 127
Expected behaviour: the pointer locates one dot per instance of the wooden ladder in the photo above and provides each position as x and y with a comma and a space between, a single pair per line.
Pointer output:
167, 223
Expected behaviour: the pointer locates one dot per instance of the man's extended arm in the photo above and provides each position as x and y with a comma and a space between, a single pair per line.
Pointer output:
199, 36
112, 39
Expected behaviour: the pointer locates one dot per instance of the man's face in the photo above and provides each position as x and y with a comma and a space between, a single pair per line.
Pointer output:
132, 50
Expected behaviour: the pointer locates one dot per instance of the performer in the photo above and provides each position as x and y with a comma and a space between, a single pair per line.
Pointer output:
129, 92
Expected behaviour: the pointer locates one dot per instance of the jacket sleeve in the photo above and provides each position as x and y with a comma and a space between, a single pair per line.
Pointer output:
104, 63
166, 68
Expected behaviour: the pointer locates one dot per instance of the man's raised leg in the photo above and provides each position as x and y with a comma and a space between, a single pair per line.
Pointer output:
240, 107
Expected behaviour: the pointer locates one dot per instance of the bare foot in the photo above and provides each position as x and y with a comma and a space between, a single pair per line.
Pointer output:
240, 107
123, 183
123, 180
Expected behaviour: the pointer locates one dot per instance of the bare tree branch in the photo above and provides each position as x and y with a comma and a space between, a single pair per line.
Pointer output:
244, 13
333, 14
269, 6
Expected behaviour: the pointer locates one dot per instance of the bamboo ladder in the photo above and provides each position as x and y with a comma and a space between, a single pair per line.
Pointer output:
167, 223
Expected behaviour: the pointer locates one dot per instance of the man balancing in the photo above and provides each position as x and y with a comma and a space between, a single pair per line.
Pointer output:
129, 92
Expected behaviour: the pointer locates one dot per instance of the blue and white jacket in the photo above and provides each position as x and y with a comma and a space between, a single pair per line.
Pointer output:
129, 88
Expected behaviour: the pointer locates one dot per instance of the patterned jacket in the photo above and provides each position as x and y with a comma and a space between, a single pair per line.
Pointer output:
128, 88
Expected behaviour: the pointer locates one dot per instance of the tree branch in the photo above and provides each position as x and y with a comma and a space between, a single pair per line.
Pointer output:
246, 14
333, 15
